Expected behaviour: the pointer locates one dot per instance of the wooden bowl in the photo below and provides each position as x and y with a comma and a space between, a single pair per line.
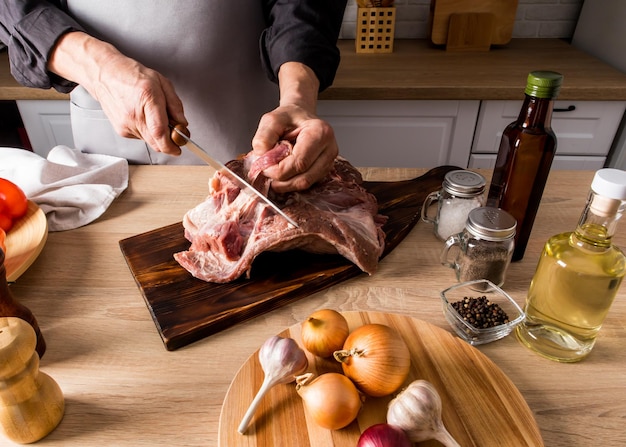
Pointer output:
25, 241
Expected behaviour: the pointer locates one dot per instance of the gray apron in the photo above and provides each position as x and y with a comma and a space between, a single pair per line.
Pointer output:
209, 49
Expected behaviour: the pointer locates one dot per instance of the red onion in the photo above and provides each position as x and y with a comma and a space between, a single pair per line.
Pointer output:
384, 435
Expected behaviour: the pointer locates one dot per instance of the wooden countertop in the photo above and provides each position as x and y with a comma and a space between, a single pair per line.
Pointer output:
11, 90
418, 70
123, 388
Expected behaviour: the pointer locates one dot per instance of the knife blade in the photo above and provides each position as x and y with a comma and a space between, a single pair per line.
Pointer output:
246, 187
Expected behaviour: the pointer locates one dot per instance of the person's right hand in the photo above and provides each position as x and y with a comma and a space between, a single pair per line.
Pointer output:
139, 101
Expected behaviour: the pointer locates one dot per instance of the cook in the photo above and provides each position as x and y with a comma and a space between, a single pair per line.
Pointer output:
133, 67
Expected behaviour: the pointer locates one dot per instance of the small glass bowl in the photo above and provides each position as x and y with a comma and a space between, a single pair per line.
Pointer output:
468, 332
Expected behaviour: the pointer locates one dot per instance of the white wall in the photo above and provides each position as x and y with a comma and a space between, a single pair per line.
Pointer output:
535, 18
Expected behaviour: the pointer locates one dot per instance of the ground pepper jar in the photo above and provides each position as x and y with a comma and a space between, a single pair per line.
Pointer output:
461, 192
483, 250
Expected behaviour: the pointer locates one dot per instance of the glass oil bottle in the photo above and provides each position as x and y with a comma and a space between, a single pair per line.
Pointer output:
577, 277
525, 156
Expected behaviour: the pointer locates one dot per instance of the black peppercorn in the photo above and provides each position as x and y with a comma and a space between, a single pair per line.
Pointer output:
480, 312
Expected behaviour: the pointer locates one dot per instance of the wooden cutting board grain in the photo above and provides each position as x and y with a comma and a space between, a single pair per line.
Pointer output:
503, 17
481, 406
186, 309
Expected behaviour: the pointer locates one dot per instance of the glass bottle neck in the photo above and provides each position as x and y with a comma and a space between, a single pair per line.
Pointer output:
536, 112
3, 277
598, 221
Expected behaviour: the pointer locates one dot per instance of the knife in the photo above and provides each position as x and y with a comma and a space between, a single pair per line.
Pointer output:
180, 131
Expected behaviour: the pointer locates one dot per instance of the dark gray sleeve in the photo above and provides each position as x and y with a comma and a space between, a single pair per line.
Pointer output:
303, 31
30, 28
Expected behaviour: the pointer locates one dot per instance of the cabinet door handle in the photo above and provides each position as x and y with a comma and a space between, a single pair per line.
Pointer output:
568, 109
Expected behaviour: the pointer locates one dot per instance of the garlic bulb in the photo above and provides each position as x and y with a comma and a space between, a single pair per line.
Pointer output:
417, 410
281, 360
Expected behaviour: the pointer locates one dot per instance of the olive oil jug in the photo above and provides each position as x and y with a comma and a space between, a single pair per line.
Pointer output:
577, 277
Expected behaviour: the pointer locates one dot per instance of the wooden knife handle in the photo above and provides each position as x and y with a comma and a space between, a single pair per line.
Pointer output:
176, 138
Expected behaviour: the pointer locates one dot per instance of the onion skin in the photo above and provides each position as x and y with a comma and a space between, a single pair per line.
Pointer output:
376, 359
331, 399
384, 435
324, 332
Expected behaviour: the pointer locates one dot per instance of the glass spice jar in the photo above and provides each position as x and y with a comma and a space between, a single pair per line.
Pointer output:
483, 250
461, 192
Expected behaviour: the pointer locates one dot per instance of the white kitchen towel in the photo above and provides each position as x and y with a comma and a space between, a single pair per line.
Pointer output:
72, 188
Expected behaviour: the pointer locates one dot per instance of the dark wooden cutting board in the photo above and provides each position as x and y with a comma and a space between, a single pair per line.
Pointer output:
186, 309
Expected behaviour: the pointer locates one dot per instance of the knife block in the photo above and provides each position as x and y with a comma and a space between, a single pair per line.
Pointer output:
375, 29
31, 402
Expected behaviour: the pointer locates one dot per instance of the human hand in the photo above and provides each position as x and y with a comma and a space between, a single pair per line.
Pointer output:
314, 150
139, 101
295, 119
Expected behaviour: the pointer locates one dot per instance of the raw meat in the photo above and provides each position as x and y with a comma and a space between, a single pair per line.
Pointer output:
229, 229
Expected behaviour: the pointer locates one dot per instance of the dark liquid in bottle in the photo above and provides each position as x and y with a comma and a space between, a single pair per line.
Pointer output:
10, 307
522, 168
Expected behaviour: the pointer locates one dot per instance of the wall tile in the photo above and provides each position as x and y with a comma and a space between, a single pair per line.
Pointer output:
534, 18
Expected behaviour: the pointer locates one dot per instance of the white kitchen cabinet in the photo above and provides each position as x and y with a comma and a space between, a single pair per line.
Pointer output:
395, 133
584, 129
47, 123
402, 133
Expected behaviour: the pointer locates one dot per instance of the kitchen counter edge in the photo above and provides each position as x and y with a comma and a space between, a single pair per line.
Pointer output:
418, 70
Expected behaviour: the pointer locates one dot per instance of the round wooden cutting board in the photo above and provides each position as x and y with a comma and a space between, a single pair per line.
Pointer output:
481, 406
25, 241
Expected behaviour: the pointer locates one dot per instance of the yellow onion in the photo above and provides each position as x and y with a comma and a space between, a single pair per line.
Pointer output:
331, 399
324, 332
376, 358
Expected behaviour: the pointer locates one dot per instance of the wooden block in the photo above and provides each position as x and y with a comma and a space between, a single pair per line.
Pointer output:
375, 30
470, 31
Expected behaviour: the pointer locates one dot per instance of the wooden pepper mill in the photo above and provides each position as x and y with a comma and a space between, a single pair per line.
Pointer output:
31, 402
10, 307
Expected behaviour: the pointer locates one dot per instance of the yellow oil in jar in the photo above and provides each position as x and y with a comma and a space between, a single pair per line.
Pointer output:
569, 297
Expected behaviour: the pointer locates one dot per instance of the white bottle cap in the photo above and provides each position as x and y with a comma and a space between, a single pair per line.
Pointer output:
610, 183
610, 188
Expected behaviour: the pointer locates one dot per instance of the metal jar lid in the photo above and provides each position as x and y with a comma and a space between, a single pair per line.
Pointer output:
491, 223
464, 183
543, 84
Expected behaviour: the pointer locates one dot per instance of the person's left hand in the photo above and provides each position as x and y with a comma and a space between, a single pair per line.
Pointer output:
314, 145
314, 150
